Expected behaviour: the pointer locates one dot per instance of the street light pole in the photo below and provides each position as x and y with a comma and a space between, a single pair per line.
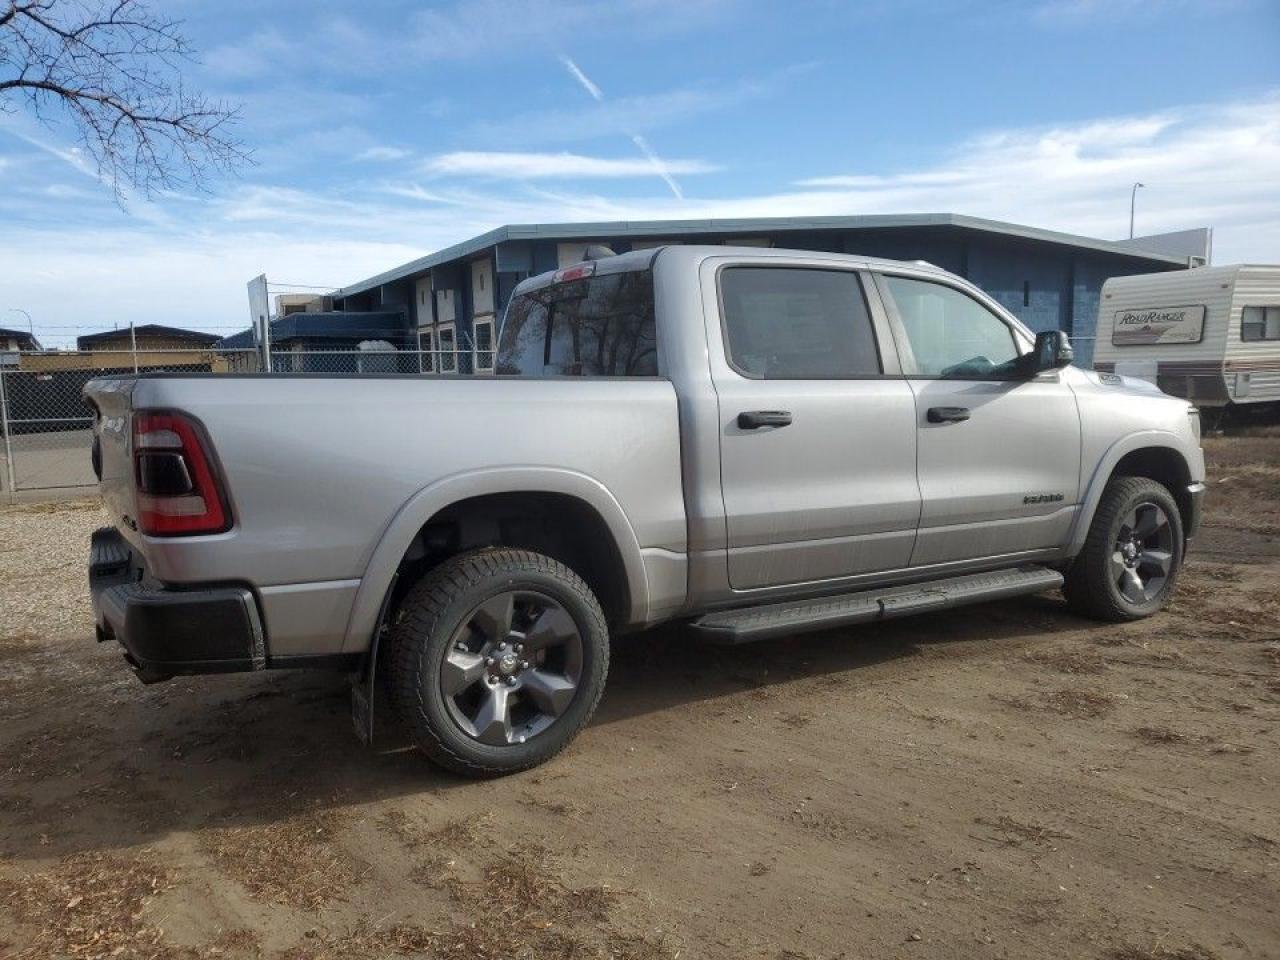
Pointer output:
1133, 199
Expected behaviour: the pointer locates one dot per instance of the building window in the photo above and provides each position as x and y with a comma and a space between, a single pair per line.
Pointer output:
426, 352
446, 349
484, 345
1260, 323
784, 323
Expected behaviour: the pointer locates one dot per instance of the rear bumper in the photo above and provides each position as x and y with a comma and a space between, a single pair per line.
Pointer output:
1195, 509
167, 632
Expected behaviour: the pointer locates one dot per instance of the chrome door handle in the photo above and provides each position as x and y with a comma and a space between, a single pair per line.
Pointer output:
754, 419
948, 414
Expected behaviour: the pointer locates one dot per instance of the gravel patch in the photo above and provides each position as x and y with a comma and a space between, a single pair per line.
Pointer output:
40, 546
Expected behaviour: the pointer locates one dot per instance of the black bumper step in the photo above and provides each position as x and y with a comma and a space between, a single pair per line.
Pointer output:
779, 619
109, 556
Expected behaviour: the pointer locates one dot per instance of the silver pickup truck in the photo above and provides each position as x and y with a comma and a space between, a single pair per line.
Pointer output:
752, 442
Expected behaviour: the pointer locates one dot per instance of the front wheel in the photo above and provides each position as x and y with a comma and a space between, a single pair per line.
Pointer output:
1130, 561
499, 658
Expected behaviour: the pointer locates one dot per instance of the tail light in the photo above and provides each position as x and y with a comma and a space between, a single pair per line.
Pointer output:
178, 490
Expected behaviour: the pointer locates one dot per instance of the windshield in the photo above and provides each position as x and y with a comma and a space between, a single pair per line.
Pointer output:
596, 326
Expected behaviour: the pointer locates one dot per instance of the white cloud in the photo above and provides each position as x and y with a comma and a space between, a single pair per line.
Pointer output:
380, 154
1213, 166
539, 166
1208, 165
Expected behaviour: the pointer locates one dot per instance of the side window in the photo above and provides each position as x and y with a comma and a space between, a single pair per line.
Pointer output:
795, 323
592, 326
951, 334
1260, 323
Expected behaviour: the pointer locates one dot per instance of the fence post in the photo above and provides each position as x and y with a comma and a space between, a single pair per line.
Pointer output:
133, 343
265, 324
10, 482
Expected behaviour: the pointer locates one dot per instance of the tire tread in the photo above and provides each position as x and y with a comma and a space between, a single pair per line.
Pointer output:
420, 613
1086, 588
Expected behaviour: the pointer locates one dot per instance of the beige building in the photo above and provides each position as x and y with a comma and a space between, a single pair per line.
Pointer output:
147, 347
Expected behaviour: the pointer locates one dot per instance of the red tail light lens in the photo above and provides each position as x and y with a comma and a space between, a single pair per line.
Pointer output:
178, 491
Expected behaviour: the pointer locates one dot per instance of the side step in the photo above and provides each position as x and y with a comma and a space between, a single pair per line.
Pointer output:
779, 619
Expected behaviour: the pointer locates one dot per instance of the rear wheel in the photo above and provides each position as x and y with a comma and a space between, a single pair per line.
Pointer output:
1130, 561
499, 658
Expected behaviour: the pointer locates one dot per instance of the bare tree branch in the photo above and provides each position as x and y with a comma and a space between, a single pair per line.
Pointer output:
112, 66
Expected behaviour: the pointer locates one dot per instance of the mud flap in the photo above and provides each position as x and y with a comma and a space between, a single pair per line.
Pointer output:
362, 682
362, 706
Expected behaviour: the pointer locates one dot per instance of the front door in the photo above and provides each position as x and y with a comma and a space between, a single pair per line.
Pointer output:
818, 440
999, 454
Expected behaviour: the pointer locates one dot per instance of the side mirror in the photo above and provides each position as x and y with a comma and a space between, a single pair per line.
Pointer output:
1051, 352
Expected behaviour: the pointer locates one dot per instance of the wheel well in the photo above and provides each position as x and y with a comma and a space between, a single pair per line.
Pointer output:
558, 525
1163, 465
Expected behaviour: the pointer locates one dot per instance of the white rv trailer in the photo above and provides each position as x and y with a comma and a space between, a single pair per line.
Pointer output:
1211, 335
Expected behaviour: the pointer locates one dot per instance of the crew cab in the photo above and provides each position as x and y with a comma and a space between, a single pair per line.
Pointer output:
754, 442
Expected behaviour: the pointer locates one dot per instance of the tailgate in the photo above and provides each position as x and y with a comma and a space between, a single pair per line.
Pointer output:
112, 457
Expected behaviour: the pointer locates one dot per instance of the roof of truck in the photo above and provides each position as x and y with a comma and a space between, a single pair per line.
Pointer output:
641, 259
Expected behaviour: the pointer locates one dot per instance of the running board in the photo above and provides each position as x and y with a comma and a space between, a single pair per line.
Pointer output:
779, 619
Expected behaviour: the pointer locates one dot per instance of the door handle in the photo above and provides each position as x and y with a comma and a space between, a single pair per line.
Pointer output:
754, 419
948, 414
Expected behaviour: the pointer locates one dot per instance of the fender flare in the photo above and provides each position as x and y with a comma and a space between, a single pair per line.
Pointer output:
1142, 440
380, 572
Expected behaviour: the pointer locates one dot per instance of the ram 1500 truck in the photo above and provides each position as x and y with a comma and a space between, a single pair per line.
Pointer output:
753, 442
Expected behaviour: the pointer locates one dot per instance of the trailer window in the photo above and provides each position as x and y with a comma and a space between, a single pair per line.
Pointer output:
598, 326
1260, 323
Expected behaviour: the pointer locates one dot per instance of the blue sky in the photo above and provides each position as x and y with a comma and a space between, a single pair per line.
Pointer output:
382, 131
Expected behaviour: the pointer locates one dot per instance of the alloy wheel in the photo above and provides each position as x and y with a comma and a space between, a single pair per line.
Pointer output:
512, 668
1142, 559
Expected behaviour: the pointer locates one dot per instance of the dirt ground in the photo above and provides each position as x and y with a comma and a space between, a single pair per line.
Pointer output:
1003, 781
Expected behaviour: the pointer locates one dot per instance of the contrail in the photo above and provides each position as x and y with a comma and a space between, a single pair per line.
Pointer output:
596, 93
658, 164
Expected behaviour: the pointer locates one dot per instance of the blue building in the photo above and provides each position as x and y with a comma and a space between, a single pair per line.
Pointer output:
454, 298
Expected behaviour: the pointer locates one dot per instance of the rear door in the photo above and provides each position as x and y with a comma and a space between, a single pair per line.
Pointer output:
817, 426
998, 454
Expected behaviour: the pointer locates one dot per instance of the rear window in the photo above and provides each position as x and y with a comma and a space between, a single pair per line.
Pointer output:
596, 326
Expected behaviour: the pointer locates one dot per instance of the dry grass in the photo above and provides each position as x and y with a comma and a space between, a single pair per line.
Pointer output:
524, 887
292, 861
520, 907
1165, 736
89, 906
1077, 704
1160, 952
452, 834
1070, 660
1015, 832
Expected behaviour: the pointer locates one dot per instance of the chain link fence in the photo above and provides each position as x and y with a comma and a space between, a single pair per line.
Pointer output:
46, 426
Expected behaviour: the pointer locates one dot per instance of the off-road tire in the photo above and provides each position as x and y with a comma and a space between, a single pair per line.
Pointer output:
423, 630
1089, 589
